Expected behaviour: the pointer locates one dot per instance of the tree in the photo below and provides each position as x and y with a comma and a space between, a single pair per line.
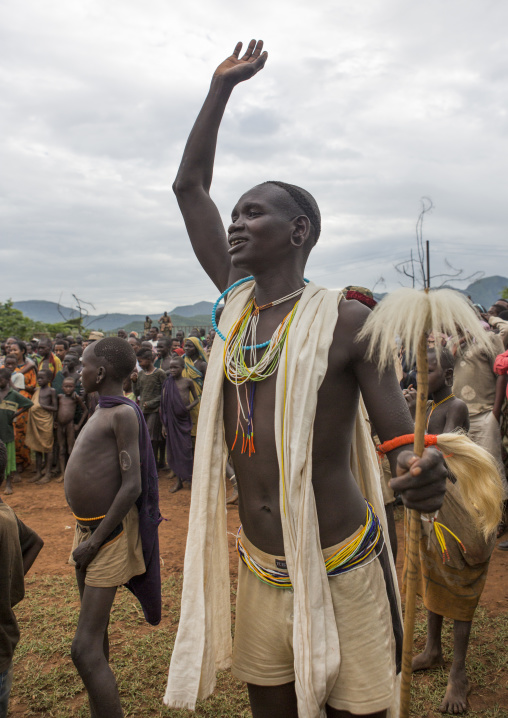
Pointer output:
504, 293
13, 322
79, 322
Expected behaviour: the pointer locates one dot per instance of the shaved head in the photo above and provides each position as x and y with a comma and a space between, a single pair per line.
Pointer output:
297, 200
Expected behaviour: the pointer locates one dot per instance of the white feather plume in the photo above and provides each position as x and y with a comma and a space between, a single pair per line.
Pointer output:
407, 314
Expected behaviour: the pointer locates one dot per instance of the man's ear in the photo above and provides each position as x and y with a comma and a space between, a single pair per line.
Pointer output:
449, 376
301, 231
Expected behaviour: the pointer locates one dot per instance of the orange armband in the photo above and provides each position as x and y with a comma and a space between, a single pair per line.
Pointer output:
391, 444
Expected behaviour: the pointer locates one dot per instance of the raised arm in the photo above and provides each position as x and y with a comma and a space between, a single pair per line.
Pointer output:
194, 178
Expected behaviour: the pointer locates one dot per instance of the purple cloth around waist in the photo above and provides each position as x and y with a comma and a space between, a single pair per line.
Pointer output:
177, 420
147, 586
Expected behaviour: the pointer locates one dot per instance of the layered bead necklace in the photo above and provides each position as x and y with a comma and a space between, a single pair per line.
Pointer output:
242, 338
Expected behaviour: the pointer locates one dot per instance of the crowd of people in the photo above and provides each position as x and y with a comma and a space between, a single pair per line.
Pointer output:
317, 621
44, 406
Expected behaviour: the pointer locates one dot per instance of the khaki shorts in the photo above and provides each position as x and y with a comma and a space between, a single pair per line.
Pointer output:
263, 645
119, 559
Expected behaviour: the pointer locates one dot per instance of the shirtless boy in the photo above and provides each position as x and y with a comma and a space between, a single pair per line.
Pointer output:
39, 431
270, 237
185, 386
176, 420
66, 429
102, 483
453, 588
163, 354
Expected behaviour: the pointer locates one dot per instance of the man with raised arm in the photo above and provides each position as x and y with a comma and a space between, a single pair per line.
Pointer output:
313, 636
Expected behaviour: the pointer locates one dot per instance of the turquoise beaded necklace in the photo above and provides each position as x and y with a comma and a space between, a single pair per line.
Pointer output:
224, 294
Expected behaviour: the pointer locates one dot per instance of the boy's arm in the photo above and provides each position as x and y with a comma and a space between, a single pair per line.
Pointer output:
31, 544
457, 417
194, 178
29, 365
500, 395
194, 393
126, 429
155, 402
23, 403
53, 403
502, 326
409, 395
421, 480
84, 409
20, 411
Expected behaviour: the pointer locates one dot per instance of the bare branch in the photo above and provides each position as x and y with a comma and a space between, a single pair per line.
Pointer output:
95, 319
380, 281
59, 309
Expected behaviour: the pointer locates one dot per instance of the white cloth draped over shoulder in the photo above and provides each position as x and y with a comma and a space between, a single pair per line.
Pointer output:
203, 644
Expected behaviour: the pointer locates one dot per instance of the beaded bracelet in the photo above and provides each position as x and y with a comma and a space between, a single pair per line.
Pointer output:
391, 444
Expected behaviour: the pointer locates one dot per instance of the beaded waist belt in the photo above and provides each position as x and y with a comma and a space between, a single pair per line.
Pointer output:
367, 542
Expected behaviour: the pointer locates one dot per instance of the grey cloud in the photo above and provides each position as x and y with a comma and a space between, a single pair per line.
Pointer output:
372, 108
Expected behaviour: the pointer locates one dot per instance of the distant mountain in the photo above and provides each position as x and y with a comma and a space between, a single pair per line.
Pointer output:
485, 291
192, 310
43, 311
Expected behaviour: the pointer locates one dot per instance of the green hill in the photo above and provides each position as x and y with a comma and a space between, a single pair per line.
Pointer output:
485, 291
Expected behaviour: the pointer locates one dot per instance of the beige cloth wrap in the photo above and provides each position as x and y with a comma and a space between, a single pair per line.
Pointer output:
39, 427
453, 588
203, 643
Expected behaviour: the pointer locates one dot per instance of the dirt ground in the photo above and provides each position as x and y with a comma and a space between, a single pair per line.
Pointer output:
45, 509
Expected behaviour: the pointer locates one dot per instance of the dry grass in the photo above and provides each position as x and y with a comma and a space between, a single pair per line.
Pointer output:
47, 684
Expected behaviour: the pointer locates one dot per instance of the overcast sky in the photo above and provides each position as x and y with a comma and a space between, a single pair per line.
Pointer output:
369, 105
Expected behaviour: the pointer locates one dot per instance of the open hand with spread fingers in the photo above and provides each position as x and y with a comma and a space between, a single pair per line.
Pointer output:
237, 69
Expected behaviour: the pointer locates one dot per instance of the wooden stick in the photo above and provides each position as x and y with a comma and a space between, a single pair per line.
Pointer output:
413, 537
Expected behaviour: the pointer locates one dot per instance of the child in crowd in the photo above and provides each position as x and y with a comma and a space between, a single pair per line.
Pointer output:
39, 429
451, 588
148, 389
163, 354
17, 378
179, 396
47, 359
66, 429
12, 404
127, 389
176, 347
111, 488
19, 547
70, 368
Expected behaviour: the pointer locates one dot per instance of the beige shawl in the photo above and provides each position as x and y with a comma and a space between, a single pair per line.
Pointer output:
203, 643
